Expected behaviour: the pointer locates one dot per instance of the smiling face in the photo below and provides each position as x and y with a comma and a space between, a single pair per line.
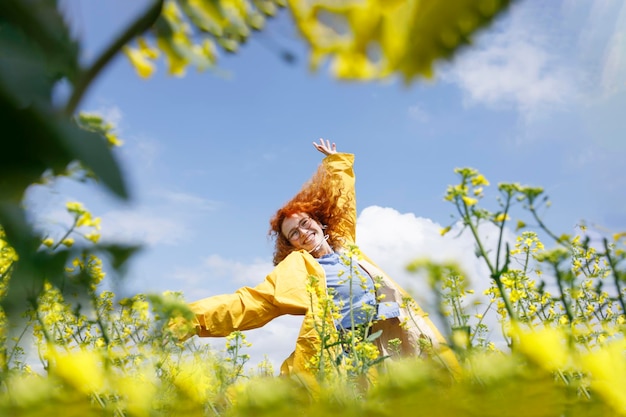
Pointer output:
302, 231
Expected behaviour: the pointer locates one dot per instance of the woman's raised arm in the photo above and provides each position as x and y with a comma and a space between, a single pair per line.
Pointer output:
340, 167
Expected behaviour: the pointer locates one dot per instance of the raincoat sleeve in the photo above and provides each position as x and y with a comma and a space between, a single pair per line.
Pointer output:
282, 292
341, 168
247, 308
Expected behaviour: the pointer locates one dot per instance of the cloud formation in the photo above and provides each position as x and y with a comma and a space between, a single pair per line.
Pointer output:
217, 275
602, 39
513, 68
144, 226
393, 240
543, 56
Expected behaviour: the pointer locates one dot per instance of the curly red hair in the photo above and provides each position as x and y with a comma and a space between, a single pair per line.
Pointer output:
319, 198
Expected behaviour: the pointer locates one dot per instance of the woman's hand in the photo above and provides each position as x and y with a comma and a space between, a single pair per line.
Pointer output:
325, 147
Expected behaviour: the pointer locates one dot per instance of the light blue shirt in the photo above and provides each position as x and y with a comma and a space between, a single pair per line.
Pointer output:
345, 279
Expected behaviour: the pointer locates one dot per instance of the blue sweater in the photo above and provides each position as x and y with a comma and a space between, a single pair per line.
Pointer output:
345, 278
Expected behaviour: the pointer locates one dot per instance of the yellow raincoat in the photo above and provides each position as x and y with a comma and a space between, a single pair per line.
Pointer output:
284, 291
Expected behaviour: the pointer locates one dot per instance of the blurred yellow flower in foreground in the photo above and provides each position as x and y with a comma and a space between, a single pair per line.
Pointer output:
607, 367
142, 64
80, 369
546, 347
138, 392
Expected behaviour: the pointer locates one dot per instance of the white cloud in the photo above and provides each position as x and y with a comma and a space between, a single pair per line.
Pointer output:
219, 270
189, 201
166, 219
245, 274
393, 240
274, 341
219, 275
143, 227
541, 56
514, 70
613, 74
614, 69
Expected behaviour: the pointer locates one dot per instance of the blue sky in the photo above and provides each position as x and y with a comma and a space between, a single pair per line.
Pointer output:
539, 99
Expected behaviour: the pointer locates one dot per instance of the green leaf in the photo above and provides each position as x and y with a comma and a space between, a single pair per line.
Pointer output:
17, 230
29, 275
37, 139
374, 336
120, 254
42, 23
24, 73
91, 149
26, 153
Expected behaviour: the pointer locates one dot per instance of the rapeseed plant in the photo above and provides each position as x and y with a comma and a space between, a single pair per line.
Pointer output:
561, 311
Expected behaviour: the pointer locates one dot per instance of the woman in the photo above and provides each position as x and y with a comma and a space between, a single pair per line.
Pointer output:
313, 231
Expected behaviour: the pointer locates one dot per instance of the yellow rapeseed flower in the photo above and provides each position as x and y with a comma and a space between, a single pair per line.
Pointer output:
82, 370
469, 201
502, 217
546, 347
138, 395
193, 382
618, 236
146, 49
94, 237
75, 206
516, 295
607, 368
113, 140
479, 180
143, 66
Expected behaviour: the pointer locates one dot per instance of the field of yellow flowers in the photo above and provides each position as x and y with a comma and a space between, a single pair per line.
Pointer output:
560, 310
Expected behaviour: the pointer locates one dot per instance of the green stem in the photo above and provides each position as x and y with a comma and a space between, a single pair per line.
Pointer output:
99, 321
559, 281
542, 225
483, 253
501, 230
524, 287
352, 325
141, 24
17, 342
616, 275
67, 234
473, 335
495, 274
439, 299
